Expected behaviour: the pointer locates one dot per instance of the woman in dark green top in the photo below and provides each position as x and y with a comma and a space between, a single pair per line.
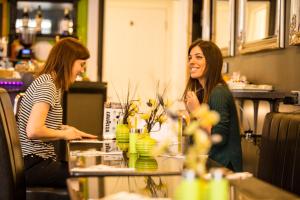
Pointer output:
206, 85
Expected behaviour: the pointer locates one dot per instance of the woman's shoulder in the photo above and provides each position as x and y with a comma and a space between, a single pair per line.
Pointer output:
221, 90
220, 96
44, 79
44, 82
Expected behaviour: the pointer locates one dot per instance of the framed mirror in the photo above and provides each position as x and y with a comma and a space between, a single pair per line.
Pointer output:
294, 29
260, 25
218, 24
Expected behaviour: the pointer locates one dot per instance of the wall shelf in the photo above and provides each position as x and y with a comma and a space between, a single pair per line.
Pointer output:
52, 10
272, 97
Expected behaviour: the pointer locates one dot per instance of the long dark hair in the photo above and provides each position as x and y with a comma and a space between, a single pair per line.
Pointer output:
212, 72
61, 58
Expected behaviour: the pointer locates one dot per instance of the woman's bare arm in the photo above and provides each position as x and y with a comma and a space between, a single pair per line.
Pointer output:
36, 127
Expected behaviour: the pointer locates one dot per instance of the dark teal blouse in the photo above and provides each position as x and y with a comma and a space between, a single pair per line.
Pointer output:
228, 152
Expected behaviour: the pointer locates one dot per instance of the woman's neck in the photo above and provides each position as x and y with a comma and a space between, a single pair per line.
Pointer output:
54, 77
202, 81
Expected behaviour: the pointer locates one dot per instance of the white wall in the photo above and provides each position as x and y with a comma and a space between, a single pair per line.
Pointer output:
176, 42
92, 39
179, 44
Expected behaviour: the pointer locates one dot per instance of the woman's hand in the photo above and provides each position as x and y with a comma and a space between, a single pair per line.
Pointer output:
191, 101
72, 133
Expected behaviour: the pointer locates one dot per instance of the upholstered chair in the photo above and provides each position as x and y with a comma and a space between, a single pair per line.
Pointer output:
12, 177
279, 162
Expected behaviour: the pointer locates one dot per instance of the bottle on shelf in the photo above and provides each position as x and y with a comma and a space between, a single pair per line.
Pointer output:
38, 20
66, 25
3, 47
25, 17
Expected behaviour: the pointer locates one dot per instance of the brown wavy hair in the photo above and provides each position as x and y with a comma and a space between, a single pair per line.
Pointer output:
212, 72
60, 61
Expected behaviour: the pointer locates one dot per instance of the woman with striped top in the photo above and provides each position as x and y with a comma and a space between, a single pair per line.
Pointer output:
40, 115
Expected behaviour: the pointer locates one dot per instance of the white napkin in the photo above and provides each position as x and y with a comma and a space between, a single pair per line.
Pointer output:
94, 153
93, 141
101, 168
239, 175
178, 156
131, 196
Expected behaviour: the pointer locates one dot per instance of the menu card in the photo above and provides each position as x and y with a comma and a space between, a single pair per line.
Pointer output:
112, 112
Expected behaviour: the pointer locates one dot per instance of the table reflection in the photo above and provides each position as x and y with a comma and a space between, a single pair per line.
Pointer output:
148, 186
115, 171
94, 161
119, 165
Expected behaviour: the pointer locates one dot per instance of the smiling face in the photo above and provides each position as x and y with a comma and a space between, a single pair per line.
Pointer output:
197, 63
77, 68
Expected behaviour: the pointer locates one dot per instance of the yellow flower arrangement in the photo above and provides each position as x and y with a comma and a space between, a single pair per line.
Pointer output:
130, 107
129, 111
197, 153
156, 113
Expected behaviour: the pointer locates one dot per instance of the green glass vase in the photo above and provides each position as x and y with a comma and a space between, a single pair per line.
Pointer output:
145, 145
146, 164
122, 133
122, 136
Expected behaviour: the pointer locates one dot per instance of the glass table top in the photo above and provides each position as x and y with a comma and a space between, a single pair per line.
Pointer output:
97, 173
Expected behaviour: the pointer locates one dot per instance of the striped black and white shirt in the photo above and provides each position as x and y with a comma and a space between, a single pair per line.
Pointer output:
42, 89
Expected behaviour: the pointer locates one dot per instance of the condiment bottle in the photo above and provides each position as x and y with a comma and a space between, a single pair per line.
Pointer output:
219, 186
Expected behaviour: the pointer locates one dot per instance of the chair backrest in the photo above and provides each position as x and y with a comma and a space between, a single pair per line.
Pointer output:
279, 162
12, 178
17, 103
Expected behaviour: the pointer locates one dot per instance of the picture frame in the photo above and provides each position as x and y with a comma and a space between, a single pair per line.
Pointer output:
294, 27
216, 29
251, 16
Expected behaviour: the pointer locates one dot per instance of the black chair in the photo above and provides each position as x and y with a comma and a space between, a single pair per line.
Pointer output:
12, 177
279, 162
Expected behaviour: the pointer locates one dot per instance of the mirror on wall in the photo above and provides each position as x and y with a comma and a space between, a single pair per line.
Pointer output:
220, 27
223, 25
260, 25
294, 29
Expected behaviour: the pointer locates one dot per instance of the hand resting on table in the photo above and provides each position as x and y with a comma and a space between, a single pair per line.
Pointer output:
73, 133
